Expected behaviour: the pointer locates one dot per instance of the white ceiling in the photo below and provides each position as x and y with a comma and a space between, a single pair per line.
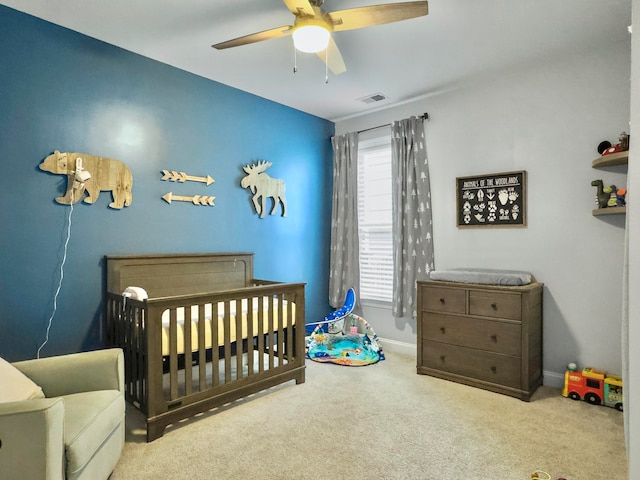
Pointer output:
459, 41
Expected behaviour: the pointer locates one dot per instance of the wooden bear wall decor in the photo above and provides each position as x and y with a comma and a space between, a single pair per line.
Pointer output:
88, 175
262, 185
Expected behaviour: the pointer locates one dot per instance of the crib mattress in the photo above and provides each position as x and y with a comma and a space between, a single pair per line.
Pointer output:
209, 325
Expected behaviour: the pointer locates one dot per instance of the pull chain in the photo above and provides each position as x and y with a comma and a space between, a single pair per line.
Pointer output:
326, 65
295, 61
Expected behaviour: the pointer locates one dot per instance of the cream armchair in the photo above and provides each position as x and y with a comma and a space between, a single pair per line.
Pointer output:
77, 431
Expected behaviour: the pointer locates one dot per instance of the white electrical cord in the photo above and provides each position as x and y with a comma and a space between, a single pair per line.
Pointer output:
55, 297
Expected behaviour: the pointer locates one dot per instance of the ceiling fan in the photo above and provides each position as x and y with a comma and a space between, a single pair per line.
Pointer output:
312, 27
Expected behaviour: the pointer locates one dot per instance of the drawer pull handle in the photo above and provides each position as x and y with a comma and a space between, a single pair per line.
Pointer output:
494, 306
494, 369
494, 338
442, 301
442, 358
443, 330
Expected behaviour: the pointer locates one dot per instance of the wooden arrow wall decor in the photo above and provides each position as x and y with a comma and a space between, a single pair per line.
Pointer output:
174, 176
204, 200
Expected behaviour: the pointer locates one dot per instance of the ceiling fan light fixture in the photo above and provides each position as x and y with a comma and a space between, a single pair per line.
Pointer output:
311, 38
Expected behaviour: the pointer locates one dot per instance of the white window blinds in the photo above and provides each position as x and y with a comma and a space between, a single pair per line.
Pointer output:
374, 218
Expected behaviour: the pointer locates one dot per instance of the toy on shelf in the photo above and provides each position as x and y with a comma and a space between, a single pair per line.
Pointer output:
602, 197
605, 147
611, 190
610, 196
593, 386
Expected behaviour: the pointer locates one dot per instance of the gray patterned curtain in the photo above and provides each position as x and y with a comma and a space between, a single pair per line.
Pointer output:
344, 263
412, 224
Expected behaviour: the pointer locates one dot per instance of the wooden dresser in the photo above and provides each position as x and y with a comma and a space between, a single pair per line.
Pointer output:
486, 336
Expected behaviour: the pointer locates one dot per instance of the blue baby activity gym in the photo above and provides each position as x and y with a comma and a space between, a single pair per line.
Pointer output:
344, 338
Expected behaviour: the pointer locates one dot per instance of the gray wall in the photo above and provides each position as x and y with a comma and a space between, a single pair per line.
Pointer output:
546, 119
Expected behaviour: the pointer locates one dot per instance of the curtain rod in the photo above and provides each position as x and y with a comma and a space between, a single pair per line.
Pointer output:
424, 116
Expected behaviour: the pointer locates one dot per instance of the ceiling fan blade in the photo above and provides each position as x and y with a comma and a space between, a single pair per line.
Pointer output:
300, 7
283, 31
333, 58
354, 18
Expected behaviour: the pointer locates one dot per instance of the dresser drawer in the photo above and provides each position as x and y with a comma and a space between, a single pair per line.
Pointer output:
472, 363
442, 299
495, 304
490, 335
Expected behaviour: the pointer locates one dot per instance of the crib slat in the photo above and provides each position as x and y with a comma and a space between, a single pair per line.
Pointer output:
290, 327
269, 335
250, 336
186, 340
140, 347
239, 339
274, 335
227, 343
215, 340
261, 333
110, 321
173, 355
202, 354
129, 343
154, 399
280, 336
268, 350
119, 327
119, 319
128, 325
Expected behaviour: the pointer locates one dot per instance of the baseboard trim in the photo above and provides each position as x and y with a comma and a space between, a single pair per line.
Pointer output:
394, 346
552, 379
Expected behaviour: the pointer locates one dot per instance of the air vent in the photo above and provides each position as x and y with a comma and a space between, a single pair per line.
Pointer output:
376, 97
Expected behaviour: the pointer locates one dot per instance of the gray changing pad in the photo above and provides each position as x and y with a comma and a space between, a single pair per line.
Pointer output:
485, 276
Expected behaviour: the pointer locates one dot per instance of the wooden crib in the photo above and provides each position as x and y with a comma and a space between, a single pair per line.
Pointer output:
208, 334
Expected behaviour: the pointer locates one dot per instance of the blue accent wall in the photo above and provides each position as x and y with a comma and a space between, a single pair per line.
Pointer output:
60, 90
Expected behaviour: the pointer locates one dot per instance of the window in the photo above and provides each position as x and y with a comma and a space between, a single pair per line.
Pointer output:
374, 218
592, 383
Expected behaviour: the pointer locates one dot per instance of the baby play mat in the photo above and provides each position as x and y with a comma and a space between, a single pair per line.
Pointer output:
349, 341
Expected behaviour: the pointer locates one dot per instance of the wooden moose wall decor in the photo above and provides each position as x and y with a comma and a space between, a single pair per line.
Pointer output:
88, 175
262, 185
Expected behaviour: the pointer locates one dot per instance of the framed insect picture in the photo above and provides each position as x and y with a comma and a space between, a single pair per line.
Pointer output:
494, 200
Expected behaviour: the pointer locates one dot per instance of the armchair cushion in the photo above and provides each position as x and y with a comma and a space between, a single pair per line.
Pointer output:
96, 415
16, 385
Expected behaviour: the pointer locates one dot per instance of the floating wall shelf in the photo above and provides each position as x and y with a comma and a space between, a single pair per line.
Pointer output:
620, 158
609, 211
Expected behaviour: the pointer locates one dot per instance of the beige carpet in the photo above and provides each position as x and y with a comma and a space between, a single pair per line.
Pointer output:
382, 421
